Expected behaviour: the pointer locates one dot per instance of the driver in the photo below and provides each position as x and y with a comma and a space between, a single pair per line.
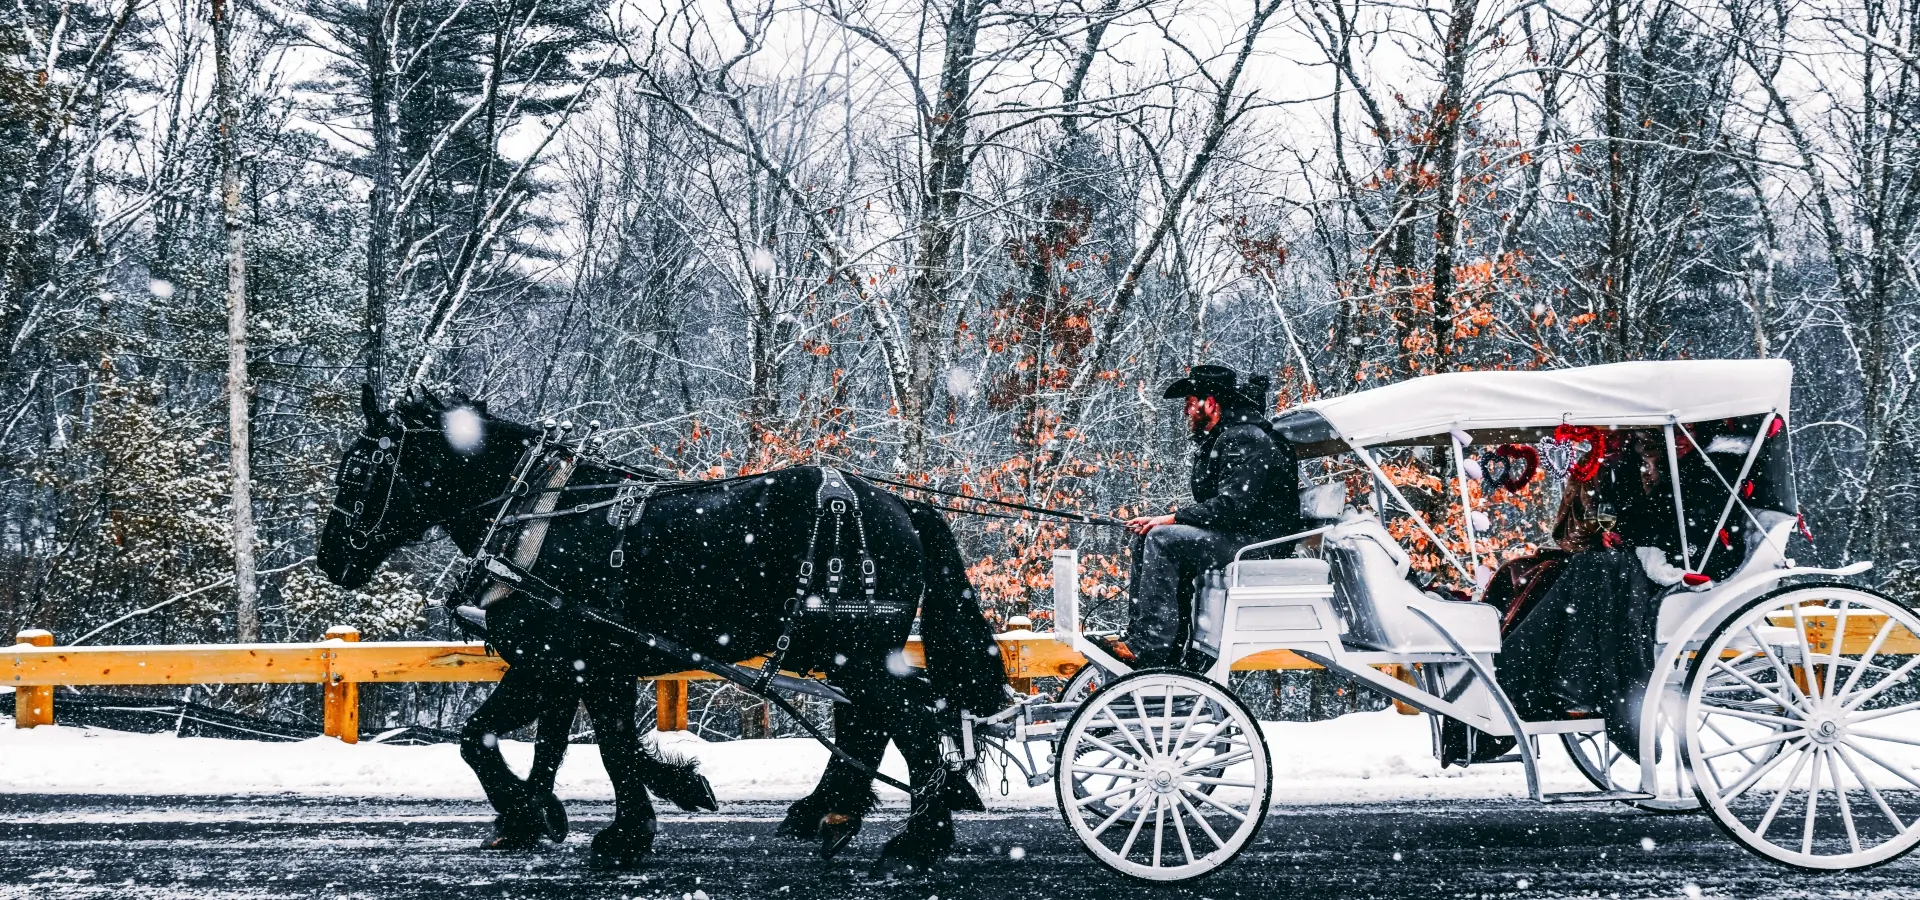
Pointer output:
1246, 486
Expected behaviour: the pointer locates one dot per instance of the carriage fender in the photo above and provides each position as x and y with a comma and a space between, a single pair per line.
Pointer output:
1685, 614
1698, 612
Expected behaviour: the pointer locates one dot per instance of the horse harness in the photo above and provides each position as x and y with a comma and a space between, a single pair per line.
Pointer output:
825, 590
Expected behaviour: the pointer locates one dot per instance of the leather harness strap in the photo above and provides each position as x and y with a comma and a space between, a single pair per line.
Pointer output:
533, 535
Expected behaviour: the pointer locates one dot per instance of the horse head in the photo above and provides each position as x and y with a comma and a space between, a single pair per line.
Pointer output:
400, 478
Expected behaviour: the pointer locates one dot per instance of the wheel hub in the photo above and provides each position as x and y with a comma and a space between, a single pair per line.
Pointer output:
1825, 730
1163, 779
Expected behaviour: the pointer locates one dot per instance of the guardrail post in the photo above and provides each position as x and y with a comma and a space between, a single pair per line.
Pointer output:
339, 698
670, 704
33, 705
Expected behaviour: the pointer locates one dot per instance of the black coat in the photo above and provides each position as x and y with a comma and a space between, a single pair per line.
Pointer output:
1245, 482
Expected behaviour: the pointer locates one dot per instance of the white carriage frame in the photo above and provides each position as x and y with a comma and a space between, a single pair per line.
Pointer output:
1455, 673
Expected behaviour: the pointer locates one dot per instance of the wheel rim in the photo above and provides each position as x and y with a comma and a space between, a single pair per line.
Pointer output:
1163, 776
1807, 749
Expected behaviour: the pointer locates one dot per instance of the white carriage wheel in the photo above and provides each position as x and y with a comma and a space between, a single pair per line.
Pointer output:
1083, 684
1609, 769
1807, 753
1188, 771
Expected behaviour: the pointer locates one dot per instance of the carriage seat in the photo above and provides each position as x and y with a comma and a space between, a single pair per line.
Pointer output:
1372, 596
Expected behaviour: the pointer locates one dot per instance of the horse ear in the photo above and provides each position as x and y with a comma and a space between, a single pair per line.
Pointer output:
369, 404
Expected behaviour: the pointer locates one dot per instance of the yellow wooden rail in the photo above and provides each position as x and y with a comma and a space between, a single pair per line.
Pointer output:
341, 663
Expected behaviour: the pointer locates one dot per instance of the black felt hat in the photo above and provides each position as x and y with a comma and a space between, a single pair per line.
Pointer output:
1204, 381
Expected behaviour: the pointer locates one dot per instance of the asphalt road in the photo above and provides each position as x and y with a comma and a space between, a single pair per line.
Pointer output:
178, 847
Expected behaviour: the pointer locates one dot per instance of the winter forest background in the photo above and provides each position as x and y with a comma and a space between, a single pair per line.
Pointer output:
955, 239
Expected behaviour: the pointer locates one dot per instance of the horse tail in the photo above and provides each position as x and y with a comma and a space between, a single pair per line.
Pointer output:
963, 660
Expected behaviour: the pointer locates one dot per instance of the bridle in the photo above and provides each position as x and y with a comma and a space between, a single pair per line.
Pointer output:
371, 470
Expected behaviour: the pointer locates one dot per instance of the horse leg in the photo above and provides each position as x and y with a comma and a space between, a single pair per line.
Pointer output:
610, 702
676, 779
549, 749
908, 705
513, 704
839, 804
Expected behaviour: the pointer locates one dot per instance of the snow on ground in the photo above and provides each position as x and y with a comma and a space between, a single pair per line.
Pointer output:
1367, 757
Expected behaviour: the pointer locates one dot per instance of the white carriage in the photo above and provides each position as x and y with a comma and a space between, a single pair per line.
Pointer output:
1781, 699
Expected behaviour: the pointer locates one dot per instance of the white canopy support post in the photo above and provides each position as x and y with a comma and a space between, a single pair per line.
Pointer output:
1733, 493
1466, 504
1679, 500
1419, 520
1066, 595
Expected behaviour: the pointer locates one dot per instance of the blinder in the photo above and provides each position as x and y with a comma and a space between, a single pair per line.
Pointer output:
368, 478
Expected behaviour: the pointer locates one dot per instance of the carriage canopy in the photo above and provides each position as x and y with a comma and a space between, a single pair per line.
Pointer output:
1516, 403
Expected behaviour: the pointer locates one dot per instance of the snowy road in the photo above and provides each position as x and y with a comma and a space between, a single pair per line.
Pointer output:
211, 847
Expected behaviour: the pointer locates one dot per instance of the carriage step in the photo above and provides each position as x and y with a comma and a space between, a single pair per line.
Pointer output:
1594, 797
1565, 726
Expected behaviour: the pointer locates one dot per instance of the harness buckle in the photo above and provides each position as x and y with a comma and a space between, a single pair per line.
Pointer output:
783, 643
617, 558
806, 568
833, 565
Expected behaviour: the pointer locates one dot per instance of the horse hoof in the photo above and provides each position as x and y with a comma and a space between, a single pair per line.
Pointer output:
555, 815
692, 793
802, 821
622, 846
891, 866
512, 834
836, 831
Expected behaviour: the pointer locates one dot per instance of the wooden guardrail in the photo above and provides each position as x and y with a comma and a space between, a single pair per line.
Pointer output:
341, 663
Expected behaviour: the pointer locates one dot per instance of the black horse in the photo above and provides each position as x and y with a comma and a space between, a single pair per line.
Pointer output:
709, 566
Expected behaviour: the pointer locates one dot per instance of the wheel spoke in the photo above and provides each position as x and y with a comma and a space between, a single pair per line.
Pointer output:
1096, 798
1753, 775
1899, 676
1883, 713
1215, 803
1874, 792
1202, 821
1756, 687
1134, 774
1903, 776
1180, 827
1813, 679
1840, 792
1144, 754
1875, 736
1218, 762
1133, 834
1752, 716
1220, 782
1766, 652
1118, 754
1115, 817
1146, 724
1839, 643
1742, 749
1159, 826
1873, 649
1780, 797
1813, 799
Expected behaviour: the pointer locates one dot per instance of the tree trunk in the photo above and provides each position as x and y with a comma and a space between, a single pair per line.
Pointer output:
380, 192
1446, 126
944, 180
246, 592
